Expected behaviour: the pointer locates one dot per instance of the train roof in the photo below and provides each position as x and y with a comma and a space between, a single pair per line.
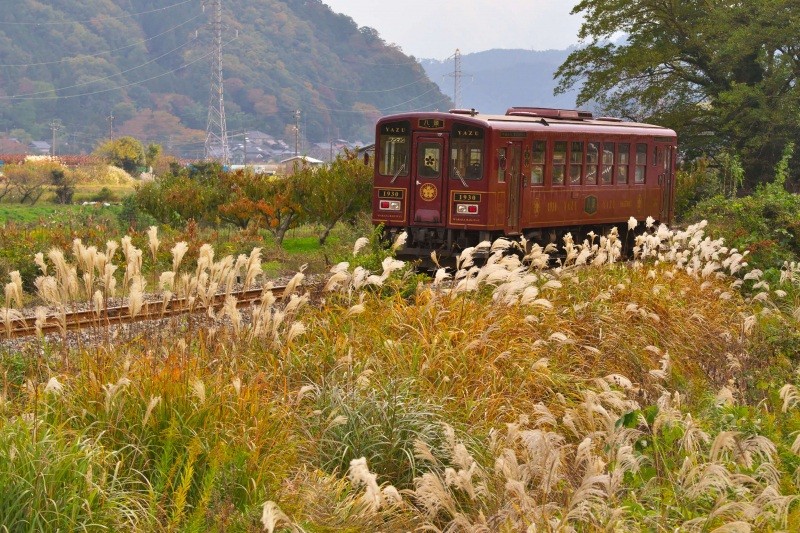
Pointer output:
544, 119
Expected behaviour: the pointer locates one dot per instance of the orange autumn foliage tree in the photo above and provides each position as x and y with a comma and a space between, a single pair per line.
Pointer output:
258, 201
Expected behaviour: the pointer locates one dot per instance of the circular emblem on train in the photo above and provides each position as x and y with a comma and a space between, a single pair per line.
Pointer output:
590, 205
428, 192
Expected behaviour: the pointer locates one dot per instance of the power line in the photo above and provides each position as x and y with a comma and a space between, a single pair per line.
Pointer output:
297, 76
81, 56
167, 73
96, 19
26, 95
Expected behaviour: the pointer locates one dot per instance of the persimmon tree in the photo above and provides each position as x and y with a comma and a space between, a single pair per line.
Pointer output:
259, 201
184, 194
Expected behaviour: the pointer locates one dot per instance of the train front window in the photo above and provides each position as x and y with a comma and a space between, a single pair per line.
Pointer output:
429, 160
466, 159
393, 155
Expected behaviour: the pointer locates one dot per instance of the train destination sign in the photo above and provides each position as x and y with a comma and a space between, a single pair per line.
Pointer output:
391, 193
431, 123
395, 128
513, 134
461, 131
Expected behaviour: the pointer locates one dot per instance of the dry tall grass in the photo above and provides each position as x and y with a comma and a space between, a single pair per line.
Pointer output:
502, 397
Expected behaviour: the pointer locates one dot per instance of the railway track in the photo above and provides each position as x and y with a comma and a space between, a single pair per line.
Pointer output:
119, 315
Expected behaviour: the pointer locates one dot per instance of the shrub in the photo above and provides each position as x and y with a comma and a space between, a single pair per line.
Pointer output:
766, 222
105, 195
381, 422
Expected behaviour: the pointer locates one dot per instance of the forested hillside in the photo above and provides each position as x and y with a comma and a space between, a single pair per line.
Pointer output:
147, 63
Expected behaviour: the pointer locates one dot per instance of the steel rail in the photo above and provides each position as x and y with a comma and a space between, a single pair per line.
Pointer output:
119, 315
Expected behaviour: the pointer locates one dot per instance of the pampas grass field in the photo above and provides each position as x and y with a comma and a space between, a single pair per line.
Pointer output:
655, 394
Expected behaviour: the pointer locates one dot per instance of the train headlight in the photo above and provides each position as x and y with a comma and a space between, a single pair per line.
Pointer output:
389, 205
467, 209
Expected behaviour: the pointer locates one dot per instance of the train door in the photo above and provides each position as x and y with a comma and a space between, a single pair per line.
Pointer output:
514, 184
666, 155
428, 190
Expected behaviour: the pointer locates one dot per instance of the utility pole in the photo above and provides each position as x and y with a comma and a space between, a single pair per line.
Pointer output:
216, 130
457, 79
55, 125
297, 132
110, 119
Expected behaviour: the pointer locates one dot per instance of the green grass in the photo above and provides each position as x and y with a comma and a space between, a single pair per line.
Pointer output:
27, 214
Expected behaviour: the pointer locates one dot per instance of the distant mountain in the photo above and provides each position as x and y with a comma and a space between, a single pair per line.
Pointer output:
494, 80
147, 63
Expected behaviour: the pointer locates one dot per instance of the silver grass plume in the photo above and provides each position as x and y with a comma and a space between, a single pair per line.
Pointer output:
111, 249
178, 251
136, 296
166, 281
109, 281
13, 291
399, 241
98, 302
39, 260
272, 517
205, 258
359, 475
252, 268
153, 242
41, 319
230, 310
295, 282
360, 243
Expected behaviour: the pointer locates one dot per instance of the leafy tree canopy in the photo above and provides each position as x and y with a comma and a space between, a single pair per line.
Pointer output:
723, 74
126, 153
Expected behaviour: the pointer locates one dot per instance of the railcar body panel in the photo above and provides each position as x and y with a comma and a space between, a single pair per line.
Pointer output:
454, 179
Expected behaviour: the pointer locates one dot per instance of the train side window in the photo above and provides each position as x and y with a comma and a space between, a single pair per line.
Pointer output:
608, 163
501, 165
623, 162
537, 163
559, 161
575, 162
641, 163
662, 159
592, 159
429, 160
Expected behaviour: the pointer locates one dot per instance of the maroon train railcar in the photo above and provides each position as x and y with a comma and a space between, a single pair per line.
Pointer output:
452, 180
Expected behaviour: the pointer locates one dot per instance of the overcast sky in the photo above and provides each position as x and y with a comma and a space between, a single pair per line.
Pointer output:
433, 29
